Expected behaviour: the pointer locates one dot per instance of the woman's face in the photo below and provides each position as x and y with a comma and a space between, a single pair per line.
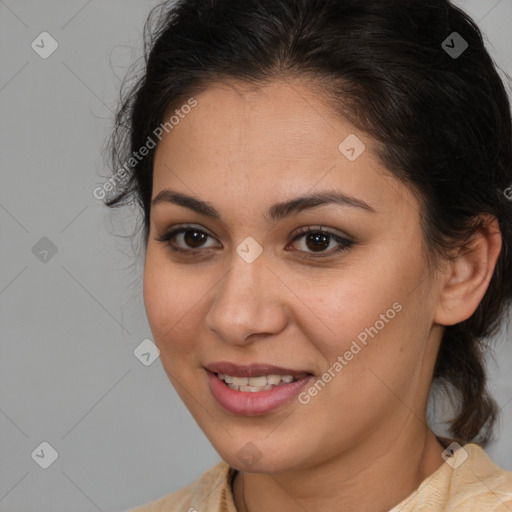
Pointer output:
251, 289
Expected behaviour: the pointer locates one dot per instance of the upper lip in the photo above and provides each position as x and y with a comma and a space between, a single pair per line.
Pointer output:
253, 370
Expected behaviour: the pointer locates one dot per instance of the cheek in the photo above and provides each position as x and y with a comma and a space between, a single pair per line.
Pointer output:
353, 306
169, 299
368, 316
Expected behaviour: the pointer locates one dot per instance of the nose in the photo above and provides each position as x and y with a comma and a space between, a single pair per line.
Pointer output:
248, 301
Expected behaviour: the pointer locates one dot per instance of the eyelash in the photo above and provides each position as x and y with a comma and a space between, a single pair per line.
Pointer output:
344, 242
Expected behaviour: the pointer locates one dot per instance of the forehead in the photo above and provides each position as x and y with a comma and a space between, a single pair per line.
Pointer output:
282, 119
266, 142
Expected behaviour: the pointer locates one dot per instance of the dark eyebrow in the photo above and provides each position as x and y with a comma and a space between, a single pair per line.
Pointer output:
298, 204
277, 212
202, 207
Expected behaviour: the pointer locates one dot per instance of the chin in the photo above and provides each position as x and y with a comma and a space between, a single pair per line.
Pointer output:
256, 457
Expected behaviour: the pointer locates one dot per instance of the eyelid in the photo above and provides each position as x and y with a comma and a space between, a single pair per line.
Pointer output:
344, 241
320, 228
180, 228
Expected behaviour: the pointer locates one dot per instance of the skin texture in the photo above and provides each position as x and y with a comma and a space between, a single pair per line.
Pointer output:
362, 443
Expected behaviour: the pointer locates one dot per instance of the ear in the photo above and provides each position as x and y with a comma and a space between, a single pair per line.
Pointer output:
467, 276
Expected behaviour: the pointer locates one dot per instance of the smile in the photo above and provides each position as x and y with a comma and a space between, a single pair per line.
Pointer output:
256, 389
255, 384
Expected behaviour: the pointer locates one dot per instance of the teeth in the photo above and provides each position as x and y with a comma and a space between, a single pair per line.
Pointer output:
253, 389
274, 379
258, 381
254, 384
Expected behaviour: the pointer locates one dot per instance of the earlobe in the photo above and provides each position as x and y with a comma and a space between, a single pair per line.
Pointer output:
468, 275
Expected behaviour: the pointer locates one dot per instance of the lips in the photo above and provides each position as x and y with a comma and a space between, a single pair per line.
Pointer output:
249, 401
254, 370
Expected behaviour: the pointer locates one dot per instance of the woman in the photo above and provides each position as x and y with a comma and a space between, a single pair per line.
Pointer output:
327, 243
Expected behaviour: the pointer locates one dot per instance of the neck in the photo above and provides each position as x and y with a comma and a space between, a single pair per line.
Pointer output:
366, 478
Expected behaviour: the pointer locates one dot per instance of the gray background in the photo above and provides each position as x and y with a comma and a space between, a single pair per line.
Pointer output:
68, 374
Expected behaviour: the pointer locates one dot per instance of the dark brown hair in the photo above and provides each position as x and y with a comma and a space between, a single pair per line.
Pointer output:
440, 121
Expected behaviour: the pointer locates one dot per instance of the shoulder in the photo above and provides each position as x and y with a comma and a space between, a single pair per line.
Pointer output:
212, 491
467, 482
480, 484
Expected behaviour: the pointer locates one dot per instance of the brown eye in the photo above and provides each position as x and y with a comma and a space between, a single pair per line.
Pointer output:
194, 238
319, 240
191, 239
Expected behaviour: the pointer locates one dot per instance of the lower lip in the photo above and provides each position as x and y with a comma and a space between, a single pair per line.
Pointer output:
247, 403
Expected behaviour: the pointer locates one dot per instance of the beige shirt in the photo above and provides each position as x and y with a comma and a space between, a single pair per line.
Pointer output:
468, 482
